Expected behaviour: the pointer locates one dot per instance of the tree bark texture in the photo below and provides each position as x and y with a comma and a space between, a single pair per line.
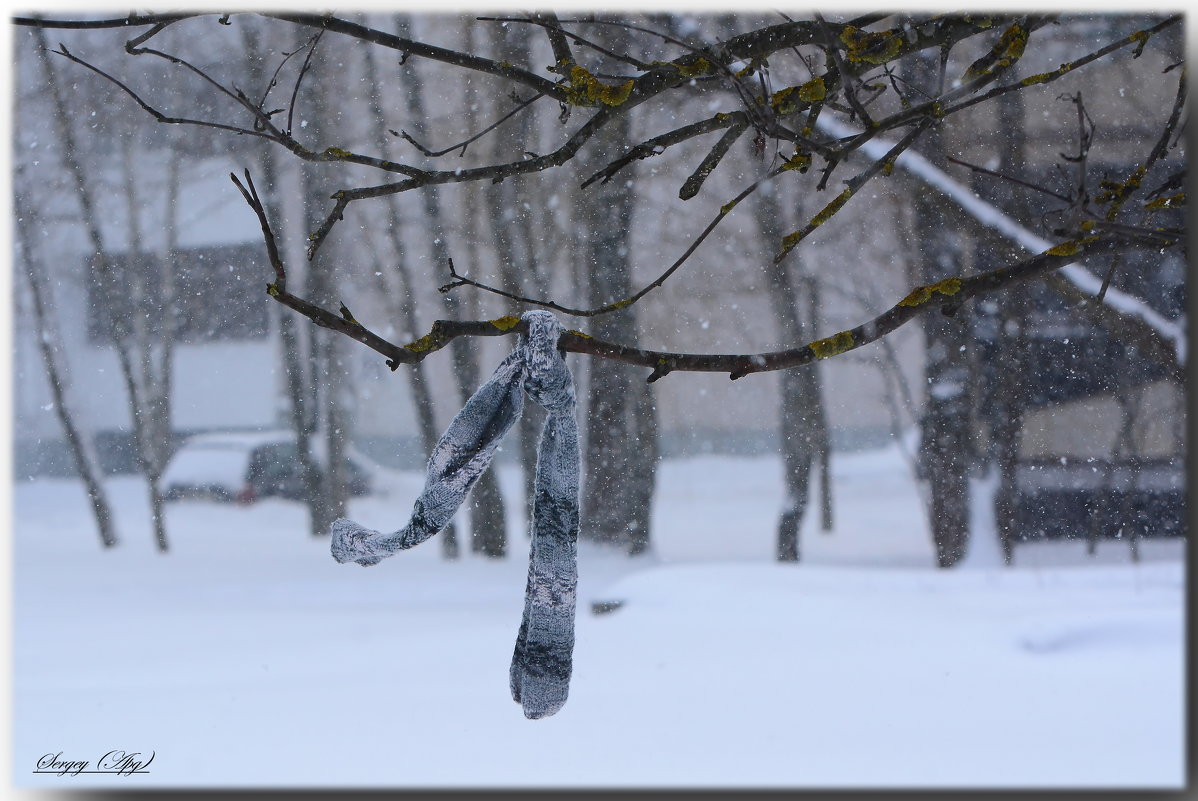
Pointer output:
1010, 332
49, 345
488, 526
402, 300
149, 454
795, 428
946, 425
621, 449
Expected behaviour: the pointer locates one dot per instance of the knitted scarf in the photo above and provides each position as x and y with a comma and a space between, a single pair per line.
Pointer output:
542, 662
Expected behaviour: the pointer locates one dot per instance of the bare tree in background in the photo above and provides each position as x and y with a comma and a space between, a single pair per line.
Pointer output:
138, 310
946, 450
87, 463
296, 344
488, 527
802, 428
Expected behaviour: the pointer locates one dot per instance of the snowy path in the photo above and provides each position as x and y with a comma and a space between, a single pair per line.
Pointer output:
249, 658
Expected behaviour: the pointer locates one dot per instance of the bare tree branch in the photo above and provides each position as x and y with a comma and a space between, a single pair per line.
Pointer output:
523, 104
947, 295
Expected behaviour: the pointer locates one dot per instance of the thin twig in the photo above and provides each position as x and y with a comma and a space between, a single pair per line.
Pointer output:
622, 303
423, 50
846, 77
1011, 178
658, 144
436, 177
282, 63
852, 186
463, 145
695, 182
303, 71
1067, 68
133, 20
153, 112
555, 27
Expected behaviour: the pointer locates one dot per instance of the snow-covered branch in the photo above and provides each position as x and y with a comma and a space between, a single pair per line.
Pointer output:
994, 218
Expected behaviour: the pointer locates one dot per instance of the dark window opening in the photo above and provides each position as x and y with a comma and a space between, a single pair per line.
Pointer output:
215, 295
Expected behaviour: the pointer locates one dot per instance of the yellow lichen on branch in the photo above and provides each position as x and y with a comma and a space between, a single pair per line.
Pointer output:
922, 294
699, 66
814, 90
783, 102
1069, 247
506, 323
425, 343
1006, 51
1140, 38
587, 90
789, 241
1166, 202
796, 98
799, 161
870, 48
834, 345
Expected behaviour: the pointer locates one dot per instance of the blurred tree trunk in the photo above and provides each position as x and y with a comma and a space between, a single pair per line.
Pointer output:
402, 301
134, 316
328, 371
819, 412
621, 440
800, 419
946, 425
1009, 326
488, 528
49, 339
510, 214
298, 354
146, 347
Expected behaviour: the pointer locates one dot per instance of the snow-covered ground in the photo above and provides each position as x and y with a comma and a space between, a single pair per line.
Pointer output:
248, 657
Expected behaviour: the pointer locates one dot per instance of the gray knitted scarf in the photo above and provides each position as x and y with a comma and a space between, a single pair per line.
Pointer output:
541, 665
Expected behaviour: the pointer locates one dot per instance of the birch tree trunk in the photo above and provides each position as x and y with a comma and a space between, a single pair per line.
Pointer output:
125, 322
27, 221
488, 528
511, 214
402, 301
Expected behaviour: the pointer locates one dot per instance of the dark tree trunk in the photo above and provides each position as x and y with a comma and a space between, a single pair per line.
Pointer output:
946, 426
801, 404
620, 452
1009, 326
642, 477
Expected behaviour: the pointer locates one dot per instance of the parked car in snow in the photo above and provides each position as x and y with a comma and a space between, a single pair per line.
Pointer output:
245, 466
